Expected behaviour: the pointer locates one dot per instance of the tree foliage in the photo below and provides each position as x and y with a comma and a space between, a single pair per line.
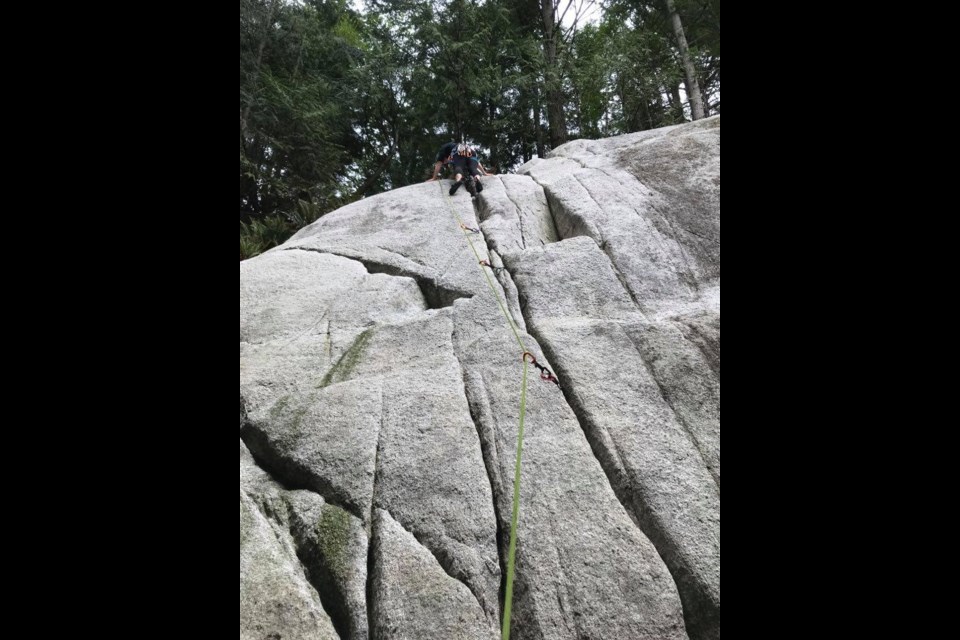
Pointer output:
336, 104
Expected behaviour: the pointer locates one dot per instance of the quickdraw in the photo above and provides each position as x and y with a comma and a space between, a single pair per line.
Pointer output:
545, 374
486, 263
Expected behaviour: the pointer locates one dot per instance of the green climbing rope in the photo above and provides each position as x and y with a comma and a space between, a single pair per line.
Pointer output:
512, 560
493, 289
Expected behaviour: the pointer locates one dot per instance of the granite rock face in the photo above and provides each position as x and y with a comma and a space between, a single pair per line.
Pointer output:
380, 381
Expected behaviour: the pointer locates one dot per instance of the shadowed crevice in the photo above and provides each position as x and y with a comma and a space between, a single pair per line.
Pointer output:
701, 614
436, 295
293, 474
490, 453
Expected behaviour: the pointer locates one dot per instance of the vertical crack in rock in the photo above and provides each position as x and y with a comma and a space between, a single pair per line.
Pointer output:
489, 449
625, 480
686, 274
520, 216
511, 295
329, 340
550, 208
591, 229
553, 204
420, 597
280, 527
371, 567
446, 564
372, 532
280, 514
623, 280
322, 538
701, 617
